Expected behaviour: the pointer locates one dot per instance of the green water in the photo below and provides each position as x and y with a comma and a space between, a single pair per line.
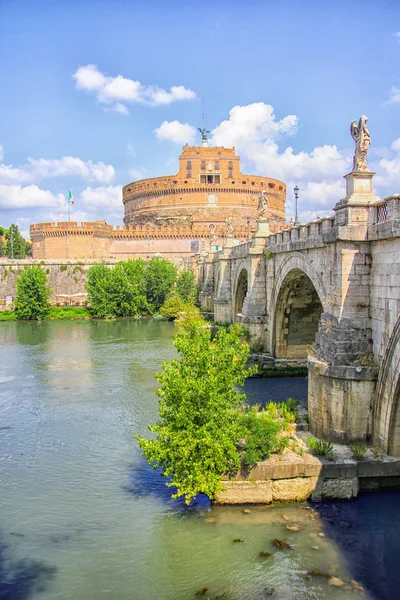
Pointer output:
83, 517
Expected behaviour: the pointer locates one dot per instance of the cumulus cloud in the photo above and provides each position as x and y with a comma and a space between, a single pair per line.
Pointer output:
67, 166
176, 132
30, 196
394, 95
109, 197
388, 170
116, 91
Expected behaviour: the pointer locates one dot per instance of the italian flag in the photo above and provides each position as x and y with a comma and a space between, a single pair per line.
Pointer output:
70, 197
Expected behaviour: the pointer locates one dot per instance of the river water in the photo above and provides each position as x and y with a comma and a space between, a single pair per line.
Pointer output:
84, 518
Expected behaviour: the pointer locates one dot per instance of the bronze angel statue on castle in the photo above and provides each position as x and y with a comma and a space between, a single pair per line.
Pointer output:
362, 138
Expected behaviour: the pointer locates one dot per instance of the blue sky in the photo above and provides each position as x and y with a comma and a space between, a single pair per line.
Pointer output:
281, 79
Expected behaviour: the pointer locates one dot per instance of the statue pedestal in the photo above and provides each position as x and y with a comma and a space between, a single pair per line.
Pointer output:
214, 248
262, 228
354, 209
229, 241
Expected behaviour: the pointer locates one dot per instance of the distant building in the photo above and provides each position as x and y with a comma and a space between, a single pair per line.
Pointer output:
175, 215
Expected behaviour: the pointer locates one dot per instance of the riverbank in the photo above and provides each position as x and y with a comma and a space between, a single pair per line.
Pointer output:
298, 476
56, 313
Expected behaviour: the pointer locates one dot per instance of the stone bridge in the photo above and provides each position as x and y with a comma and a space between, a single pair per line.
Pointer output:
326, 293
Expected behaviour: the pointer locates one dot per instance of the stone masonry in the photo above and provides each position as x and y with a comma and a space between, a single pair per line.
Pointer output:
326, 293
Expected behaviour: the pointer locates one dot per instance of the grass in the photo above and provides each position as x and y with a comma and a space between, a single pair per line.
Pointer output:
321, 447
7, 315
61, 313
358, 449
56, 313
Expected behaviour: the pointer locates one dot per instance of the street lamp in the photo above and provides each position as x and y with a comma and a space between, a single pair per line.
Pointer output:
296, 196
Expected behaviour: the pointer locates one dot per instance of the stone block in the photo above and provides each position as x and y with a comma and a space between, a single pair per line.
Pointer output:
298, 488
344, 489
245, 492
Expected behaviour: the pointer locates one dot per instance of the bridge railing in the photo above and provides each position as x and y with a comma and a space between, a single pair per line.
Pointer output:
302, 232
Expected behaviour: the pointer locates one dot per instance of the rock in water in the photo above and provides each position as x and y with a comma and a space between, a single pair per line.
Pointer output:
281, 544
246, 511
202, 591
265, 554
236, 540
293, 527
336, 581
316, 573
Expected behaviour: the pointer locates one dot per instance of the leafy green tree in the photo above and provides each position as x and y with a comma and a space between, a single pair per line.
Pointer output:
99, 289
160, 277
118, 292
129, 288
186, 286
172, 307
2, 246
33, 293
28, 248
15, 247
198, 429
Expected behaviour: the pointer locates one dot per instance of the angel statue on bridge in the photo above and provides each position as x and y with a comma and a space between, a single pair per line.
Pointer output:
362, 138
262, 204
229, 225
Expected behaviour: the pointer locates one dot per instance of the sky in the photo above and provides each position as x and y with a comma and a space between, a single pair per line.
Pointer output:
96, 94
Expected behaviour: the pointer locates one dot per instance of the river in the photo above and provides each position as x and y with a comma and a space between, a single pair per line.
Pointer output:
83, 517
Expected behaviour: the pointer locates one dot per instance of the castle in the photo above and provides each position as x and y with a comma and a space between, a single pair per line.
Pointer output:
176, 216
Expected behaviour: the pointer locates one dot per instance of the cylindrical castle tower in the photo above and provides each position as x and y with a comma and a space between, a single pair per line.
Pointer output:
208, 188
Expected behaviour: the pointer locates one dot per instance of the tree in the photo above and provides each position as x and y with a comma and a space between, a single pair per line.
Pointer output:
33, 293
2, 246
118, 292
128, 288
198, 430
186, 286
28, 248
160, 277
99, 289
15, 247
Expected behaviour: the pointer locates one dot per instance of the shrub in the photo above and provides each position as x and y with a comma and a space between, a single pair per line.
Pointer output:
289, 409
32, 298
172, 307
63, 267
358, 449
197, 434
262, 435
321, 447
186, 286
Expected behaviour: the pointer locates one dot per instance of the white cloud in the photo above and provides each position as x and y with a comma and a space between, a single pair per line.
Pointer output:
388, 170
394, 95
176, 132
255, 123
109, 197
67, 166
118, 90
397, 36
30, 196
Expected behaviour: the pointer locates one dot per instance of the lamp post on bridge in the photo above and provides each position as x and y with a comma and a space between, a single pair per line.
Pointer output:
296, 196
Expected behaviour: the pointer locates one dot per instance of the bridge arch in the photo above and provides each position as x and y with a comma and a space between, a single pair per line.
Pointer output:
242, 286
298, 298
387, 400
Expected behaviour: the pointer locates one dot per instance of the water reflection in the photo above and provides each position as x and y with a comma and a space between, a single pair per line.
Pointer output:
22, 578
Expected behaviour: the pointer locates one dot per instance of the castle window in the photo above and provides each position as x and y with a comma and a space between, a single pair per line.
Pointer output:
230, 165
203, 165
210, 178
189, 174
244, 183
189, 165
280, 188
252, 183
217, 165
230, 174
271, 186
262, 184
174, 181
